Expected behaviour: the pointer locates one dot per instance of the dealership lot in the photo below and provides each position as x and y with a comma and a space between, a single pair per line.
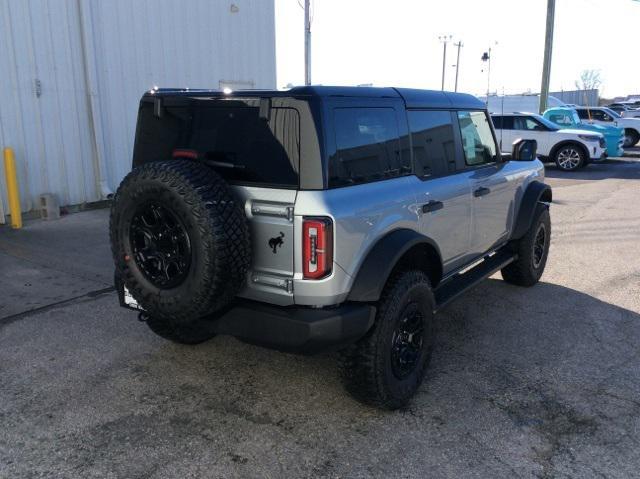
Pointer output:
540, 382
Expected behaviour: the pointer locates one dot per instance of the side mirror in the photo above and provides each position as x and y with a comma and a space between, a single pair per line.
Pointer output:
524, 150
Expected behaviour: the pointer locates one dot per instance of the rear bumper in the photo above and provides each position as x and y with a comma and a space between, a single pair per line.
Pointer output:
295, 329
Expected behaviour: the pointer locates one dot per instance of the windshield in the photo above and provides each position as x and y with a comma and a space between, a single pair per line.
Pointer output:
552, 126
576, 118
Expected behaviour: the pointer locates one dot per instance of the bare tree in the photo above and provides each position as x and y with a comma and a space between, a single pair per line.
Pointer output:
589, 80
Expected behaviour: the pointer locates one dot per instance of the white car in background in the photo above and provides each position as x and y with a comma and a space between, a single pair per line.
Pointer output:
569, 149
600, 115
625, 109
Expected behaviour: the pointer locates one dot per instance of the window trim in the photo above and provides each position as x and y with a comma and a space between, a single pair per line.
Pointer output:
499, 159
331, 124
456, 141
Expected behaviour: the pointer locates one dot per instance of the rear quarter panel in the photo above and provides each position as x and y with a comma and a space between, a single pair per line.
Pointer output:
362, 215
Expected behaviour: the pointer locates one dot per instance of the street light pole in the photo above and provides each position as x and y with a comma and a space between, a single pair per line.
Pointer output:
486, 57
444, 39
489, 75
546, 65
459, 45
307, 44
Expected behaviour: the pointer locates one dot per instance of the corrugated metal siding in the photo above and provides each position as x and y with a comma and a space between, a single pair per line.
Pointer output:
130, 46
48, 132
578, 97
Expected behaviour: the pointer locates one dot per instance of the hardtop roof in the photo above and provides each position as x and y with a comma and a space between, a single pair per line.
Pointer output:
413, 98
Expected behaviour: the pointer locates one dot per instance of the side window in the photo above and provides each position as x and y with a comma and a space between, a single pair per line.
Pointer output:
518, 123
367, 146
599, 115
583, 114
497, 122
507, 123
433, 142
533, 125
477, 139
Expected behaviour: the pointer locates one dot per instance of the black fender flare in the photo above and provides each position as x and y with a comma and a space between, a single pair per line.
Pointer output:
382, 258
537, 192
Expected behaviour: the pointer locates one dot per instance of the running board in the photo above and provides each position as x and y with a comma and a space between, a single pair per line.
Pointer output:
461, 282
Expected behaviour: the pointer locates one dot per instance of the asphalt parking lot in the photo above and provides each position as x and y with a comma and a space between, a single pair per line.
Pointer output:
539, 382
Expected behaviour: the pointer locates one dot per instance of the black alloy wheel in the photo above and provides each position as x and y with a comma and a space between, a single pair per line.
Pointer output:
160, 245
539, 245
407, 341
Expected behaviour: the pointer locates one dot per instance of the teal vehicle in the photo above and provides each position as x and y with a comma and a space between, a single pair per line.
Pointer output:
566, 117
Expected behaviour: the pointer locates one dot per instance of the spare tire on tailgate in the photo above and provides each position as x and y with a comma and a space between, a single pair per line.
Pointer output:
180, 243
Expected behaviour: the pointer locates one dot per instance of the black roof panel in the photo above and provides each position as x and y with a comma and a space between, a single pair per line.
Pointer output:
439, 99
413, 98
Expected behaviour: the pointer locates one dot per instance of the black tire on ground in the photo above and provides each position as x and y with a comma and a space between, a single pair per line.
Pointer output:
532, 250
180, 243
386, 367
631, 138
570, 157
194, 331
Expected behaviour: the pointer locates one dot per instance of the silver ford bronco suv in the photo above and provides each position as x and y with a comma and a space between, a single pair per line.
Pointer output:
323, 217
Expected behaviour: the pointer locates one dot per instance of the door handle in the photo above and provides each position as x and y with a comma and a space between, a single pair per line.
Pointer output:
432, 206
481, 191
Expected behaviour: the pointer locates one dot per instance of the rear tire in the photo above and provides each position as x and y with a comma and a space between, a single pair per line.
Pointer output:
570, 157
386, 367
532, 250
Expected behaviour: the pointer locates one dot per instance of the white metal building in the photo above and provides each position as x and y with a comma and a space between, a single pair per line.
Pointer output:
72, 73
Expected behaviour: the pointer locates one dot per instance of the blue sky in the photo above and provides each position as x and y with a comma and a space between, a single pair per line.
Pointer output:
387, 42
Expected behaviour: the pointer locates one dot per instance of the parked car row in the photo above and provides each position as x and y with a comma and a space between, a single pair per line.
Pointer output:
607, 117
571, 136
565, 117
627, 109
568, 148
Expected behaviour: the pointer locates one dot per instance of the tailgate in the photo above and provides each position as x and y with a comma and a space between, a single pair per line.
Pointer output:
270, 215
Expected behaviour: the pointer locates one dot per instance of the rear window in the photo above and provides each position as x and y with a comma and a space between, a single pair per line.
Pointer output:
433, 142
228, 135
367, 147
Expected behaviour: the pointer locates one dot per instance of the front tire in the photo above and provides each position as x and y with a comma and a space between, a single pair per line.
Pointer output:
631, 137
386, 367
532, 250
570, 157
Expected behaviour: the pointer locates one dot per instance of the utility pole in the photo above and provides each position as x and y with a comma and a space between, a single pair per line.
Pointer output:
307, 44
459, 45
444, 39
546, 65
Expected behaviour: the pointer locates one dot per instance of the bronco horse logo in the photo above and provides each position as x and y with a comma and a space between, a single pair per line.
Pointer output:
277, 242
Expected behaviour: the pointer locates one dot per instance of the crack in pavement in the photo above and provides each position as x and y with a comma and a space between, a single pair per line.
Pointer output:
25, 314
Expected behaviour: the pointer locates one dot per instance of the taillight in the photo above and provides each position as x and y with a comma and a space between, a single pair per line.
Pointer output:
317, 247
185, 153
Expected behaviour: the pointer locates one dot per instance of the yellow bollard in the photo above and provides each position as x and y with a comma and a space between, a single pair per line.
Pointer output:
12, 188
